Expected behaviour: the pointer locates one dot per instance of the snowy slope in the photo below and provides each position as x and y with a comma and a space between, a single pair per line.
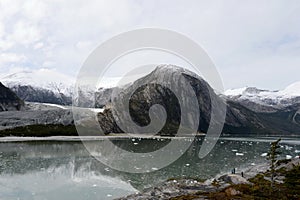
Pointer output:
292, 90
41, 78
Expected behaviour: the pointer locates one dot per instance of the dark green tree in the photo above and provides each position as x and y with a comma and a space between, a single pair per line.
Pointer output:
272, 157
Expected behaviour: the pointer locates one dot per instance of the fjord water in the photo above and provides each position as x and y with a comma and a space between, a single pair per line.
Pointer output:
63, 169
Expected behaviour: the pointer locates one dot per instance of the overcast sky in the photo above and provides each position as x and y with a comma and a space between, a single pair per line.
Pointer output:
253, 43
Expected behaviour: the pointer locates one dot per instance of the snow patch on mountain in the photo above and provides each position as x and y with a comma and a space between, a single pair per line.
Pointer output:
292, 90
235, 92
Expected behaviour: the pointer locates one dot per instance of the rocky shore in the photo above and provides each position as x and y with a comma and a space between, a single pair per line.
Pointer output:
255, 184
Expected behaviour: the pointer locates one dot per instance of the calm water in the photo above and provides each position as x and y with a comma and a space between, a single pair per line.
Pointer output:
65, 170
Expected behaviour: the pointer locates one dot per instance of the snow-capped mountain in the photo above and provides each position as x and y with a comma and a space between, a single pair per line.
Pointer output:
42, 85
42, 78
290, 95
51, 86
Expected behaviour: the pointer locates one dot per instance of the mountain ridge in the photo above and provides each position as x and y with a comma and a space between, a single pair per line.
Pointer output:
243, 116
240, 117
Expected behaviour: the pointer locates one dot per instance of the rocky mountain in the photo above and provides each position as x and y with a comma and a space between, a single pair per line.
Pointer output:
242, 118
265, 100
41, 95
50, 86
9, 101
43, 85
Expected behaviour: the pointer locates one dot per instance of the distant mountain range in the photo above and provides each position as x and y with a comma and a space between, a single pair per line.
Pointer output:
44, 86
249, 96
50, 86
249, 110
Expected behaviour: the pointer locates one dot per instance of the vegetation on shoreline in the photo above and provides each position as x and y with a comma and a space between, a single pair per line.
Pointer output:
263, 186
40, 131
259, 187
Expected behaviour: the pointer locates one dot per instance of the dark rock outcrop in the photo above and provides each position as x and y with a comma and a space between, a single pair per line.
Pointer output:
9, 101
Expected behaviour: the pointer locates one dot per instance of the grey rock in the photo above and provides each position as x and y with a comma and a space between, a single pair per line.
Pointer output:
233, 179
172, 188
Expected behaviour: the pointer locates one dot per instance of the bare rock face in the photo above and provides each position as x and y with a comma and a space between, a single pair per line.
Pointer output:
108, 123
9, 101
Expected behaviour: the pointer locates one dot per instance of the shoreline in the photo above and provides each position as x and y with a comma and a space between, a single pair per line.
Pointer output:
12, 138
255, 185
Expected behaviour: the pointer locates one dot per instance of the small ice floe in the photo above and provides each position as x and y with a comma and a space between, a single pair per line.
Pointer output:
288, 157
264, 154
288, 147
135, 143
187, 164
239, 154
234, 150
